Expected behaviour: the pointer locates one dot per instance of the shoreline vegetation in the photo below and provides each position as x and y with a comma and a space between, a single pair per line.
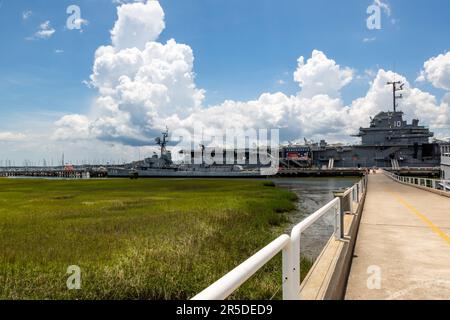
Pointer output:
141, 239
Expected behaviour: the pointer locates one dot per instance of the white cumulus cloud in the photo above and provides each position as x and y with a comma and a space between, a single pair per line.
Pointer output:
437, 71
137, 24
320, 75
141, 82
145, 85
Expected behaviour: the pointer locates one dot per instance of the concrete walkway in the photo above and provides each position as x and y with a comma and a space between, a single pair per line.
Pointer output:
403, 245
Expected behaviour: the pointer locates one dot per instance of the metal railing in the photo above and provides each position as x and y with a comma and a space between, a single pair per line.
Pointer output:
437, 184
290, 248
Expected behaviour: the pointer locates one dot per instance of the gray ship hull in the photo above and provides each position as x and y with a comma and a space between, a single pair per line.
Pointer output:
168, 173
379, 156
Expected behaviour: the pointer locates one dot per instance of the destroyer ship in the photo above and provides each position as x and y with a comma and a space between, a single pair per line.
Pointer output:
163, 166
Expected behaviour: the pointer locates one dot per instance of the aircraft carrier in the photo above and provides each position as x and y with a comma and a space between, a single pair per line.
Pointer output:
388, 142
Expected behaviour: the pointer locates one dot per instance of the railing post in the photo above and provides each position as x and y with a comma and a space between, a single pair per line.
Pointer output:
353, 194
350, 199
294, 269
339, 221
358, 198
363, 186
288, 273
339, 212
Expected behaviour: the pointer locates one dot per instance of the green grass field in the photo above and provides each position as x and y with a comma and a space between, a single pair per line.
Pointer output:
136, 239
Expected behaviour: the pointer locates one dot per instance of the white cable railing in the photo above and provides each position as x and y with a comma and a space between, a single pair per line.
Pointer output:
290, 248
437, 184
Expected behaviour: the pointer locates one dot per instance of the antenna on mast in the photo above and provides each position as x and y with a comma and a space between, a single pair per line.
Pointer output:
396, 87
162, 142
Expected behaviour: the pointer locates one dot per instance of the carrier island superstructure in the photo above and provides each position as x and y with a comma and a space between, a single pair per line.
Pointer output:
389, 142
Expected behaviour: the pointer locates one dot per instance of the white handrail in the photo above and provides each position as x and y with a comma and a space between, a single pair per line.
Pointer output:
289, 245
302, 226
438, 184
225, 286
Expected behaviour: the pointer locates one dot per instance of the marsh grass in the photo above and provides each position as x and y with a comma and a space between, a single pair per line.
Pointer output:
136, 239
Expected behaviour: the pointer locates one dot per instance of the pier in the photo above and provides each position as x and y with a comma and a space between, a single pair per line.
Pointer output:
430, 172
404, 239
391, 241
74, 172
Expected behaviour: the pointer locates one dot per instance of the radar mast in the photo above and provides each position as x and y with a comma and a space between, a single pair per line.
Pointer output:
163, 142
396, 87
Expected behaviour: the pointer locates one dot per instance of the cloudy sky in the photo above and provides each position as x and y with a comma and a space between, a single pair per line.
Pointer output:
98, 81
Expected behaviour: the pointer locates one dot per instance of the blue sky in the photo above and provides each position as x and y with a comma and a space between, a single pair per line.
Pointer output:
242, 48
